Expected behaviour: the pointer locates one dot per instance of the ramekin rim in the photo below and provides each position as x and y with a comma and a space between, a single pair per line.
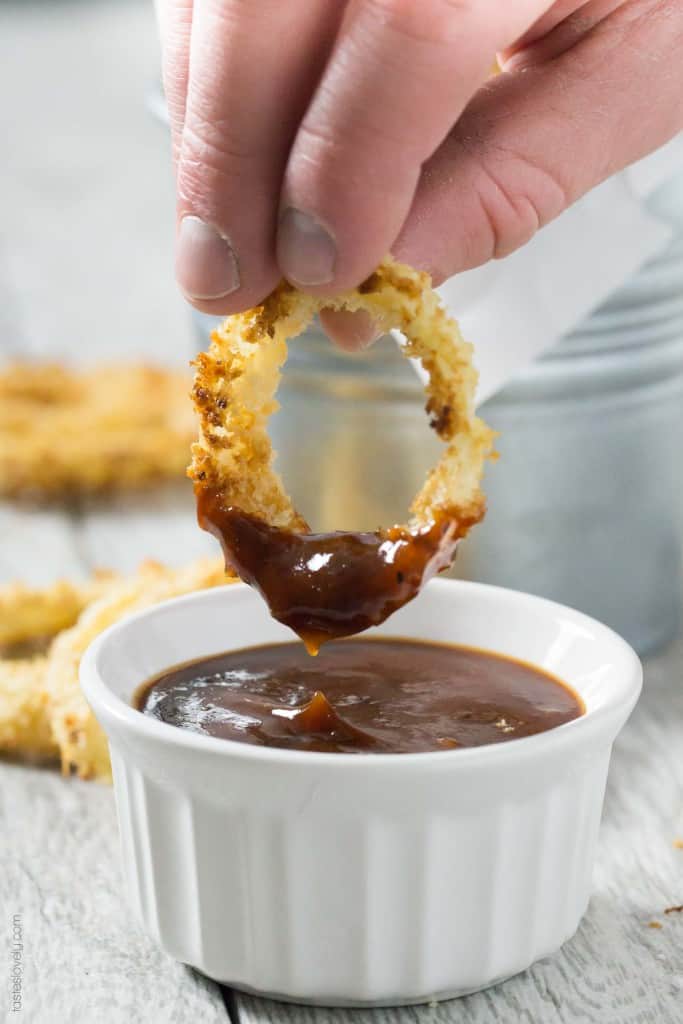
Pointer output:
620, 703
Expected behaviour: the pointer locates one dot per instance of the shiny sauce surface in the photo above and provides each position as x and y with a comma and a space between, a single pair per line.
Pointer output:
330, 585
361, 696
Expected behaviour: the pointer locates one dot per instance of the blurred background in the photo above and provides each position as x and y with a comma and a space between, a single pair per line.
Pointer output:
86, 258
87, 197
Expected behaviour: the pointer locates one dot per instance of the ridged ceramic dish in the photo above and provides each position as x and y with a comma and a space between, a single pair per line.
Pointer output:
361, 879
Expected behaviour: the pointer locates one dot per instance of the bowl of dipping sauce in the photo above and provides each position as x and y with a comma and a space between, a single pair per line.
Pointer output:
412, 815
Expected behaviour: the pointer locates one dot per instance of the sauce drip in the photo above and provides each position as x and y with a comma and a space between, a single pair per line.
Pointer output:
329, 585
361, 696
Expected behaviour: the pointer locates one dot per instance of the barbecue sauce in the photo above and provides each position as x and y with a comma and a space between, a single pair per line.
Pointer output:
361, 696
330, 585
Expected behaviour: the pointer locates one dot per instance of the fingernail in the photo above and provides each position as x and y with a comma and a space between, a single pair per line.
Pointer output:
305, 250
206, 266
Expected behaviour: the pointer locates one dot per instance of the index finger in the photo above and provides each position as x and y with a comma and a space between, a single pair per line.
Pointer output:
399, 77
252, 69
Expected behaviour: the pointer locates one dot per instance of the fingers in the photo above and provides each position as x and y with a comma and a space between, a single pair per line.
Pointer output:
175, 25
252, 69
350, 331
557, 30
531, 142
398, 79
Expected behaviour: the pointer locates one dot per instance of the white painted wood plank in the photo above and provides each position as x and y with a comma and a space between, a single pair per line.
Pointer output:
123, 531
83, 957
616, 970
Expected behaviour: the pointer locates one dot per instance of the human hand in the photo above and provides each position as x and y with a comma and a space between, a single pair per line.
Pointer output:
311, 137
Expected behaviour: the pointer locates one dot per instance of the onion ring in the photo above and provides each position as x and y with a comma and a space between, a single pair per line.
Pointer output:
43, 713
243, 501
31, 616
65, 432
83, 746
24, 722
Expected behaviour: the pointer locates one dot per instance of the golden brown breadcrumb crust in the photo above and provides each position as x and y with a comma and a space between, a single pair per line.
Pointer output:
24, 722
43, 714
30, 617
65, 432
236, 380
29, 613
82, 743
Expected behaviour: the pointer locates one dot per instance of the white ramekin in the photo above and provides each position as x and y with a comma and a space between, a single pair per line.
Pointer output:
361, 879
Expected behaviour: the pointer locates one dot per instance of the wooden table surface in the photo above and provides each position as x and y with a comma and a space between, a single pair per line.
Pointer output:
85, 273
84, 955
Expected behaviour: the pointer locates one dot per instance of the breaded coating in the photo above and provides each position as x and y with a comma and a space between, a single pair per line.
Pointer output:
30, 614
236, 381
43, 714
81, 741
30, 617
24, 723
65, 432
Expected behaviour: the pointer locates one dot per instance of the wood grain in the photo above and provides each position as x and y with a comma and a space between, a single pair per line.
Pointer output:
84, 959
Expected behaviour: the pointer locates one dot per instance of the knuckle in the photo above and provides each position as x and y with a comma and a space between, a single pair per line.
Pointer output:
318, 140
356, 133
319, 164
211, 155
323, 143
241, 18
516, 200
355, 158
432, 21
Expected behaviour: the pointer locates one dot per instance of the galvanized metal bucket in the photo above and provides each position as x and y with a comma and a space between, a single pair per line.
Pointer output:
585, 505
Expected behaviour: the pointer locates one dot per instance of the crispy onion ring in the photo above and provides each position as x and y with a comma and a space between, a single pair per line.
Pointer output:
24, 721
83, 746
30, 618
43, 713
32, 615
65, 432
232, 461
